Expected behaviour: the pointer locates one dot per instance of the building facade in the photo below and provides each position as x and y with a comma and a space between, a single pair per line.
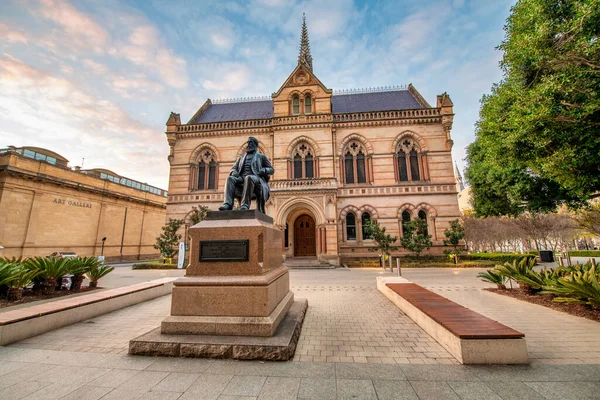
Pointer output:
46, 207
341, 158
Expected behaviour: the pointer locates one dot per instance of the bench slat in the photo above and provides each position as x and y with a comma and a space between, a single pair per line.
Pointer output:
461, 321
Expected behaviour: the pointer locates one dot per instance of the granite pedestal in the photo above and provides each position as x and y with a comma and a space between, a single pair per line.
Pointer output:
235, 293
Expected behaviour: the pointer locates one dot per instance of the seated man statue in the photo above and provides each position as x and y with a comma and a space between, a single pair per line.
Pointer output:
249, 177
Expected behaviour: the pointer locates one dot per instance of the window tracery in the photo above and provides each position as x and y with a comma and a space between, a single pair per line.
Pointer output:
355, 165
408, 160
205, 171
303, 161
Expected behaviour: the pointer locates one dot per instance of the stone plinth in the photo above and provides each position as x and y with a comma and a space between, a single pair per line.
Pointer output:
235, 299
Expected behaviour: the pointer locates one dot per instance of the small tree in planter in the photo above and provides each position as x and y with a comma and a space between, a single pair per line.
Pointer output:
415, 238
168, 241
78, 267
455, 234
17, 278
96, 272
51, 269
383, 241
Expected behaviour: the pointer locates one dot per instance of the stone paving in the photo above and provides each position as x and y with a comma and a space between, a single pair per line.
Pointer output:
355, 345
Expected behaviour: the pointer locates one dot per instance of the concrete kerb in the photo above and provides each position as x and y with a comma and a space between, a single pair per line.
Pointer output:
466, 351
48, 321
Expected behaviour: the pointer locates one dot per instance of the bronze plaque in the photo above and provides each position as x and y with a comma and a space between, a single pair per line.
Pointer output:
224, 250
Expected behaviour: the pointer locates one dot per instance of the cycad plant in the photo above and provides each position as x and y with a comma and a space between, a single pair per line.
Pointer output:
493, 276
523, 273
95, 273
581, 285
16, 277
51, 269
78, 267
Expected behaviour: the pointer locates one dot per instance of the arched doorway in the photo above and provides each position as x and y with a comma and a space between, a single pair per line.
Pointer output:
305, 244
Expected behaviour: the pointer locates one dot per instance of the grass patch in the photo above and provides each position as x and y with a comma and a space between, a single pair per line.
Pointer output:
584, 253
152, 265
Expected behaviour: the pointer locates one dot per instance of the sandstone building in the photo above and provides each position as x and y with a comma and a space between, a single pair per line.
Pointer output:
341, 158
45, 206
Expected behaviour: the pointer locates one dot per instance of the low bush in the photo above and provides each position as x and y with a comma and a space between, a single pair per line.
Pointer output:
154, 266
499, 257
585, 253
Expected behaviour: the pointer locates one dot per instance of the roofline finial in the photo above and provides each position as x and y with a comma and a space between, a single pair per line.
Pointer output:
304, 57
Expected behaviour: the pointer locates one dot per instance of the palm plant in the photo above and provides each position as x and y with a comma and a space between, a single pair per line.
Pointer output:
78, 267
493, 276
581, 285
97, 272
51, 269
523, 273
16, 278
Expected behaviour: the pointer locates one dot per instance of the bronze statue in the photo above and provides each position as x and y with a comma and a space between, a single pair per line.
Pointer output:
249, 179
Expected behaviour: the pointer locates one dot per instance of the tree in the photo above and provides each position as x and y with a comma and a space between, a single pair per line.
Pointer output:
589, 220
537, 141
197, 214
168, 241
455, 234
415, 238
382, 240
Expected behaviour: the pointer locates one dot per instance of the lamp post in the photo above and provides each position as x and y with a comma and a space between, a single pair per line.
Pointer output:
102, 250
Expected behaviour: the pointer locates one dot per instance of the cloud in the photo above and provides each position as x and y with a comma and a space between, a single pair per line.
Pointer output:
9, 35
135, 87
53, 109
81, 30
95, 67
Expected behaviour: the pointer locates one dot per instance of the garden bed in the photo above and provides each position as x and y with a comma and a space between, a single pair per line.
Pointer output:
154, 266
579, 310
29, 296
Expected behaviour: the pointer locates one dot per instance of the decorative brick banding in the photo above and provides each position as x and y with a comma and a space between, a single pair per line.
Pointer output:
461, 321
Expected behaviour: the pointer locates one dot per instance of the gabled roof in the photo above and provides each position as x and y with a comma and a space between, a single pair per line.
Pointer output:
236, 112
341, 104
377, 101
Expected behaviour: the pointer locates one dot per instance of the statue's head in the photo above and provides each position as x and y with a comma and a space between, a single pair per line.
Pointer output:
252, 145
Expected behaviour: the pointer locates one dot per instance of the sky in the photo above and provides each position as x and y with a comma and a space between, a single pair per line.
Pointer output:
95, 81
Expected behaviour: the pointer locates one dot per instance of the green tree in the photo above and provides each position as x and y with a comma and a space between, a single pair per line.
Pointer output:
197, 214
168, 241
415, 238
383, 241
537, 141
454, 235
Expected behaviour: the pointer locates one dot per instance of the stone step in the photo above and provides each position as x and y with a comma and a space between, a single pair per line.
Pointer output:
310, 266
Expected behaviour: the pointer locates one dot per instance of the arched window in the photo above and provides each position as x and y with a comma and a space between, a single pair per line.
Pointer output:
297, 166
405, 219
422, 215
349, 163
296, 105
303, 162
414, 165
365, 220
350, 227
408, 161
207, 171
355, 163
307, 105
402, 166
309, 166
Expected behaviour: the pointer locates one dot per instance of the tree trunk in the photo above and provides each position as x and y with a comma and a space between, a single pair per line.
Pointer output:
15, 294
49, 286
76, 282
93, 284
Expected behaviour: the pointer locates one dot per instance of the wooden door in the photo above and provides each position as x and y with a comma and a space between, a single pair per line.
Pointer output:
304, 237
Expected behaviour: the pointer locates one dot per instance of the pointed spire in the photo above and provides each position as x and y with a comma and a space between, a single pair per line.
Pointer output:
459, 177
304, 57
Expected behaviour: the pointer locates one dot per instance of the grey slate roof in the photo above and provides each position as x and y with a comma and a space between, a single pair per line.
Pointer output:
340, 104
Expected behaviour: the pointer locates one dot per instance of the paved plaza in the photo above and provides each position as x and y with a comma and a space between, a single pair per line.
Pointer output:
355, 344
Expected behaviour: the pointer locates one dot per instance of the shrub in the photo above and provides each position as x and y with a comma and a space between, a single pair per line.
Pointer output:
51, 269
154, 266
97, 272
578, 285
500, 257
585, 253
493, 276
78, 267
523, 273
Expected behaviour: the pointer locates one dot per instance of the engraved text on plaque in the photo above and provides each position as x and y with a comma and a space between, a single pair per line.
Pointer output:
224, 250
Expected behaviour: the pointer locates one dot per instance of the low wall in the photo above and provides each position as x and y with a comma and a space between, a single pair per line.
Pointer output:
31, 321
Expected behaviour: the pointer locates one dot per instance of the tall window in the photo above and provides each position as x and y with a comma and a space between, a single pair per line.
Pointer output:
405, 219
296, 105
307, 105
355, 163
423, 216
207, 171
402, 166
303, 162
286, 237
408, 162
350, 227
365, 220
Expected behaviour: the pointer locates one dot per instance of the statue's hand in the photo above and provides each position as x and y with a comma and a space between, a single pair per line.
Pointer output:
235, 173
263, 172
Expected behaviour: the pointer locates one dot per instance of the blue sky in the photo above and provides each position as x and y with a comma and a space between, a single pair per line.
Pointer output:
97, 79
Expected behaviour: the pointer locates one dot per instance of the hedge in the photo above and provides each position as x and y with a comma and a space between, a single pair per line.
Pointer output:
154, 266
499, 257
585, 253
